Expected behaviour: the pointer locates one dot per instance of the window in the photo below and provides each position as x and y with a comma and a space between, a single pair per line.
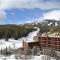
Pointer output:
49, 42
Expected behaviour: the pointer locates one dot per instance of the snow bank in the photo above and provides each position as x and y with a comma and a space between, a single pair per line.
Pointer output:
15, 43
4, 44
10, 43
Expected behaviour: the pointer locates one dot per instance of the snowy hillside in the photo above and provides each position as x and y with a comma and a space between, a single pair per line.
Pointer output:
47, 22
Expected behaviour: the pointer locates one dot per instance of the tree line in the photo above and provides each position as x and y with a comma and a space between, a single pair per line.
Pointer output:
14, 31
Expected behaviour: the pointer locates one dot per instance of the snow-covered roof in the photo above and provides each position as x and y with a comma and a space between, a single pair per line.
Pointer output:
51, 35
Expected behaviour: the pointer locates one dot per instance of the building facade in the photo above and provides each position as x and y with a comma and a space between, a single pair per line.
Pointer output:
49, 42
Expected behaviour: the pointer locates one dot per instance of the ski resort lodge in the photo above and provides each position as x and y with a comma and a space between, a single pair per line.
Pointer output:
43, 42
49, 42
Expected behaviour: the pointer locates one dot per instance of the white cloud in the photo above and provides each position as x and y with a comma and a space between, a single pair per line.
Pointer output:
29, 4
55, 14
2, 14
7, 4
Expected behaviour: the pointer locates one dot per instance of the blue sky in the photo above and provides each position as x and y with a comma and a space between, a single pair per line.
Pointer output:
22, 15
22, 11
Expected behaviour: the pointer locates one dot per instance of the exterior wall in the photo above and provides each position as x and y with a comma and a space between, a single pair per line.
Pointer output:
32, 44
56, 43
43, 41
25, 46
50, 42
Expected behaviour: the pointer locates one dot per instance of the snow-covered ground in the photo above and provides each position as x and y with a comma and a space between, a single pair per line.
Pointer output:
41, 57
10, 43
